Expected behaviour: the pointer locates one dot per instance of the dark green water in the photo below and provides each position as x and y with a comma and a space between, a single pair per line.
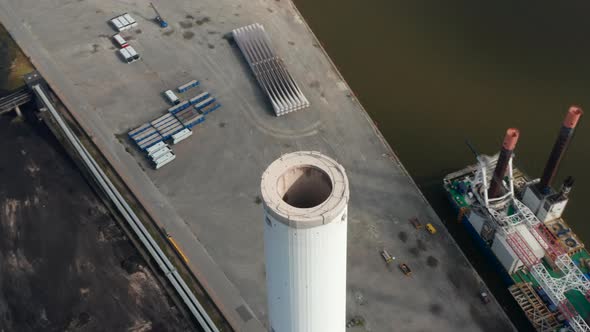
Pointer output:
433, 73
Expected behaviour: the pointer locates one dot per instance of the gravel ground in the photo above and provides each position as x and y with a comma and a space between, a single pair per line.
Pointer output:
65, 265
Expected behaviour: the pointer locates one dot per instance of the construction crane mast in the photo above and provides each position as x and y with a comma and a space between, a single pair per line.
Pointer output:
159, 17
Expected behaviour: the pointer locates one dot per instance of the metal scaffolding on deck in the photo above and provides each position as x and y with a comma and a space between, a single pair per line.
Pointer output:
507, 212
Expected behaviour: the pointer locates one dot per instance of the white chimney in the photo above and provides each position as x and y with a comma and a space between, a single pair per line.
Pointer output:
305, 197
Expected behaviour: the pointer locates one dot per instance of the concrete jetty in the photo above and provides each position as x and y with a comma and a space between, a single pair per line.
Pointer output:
208, 198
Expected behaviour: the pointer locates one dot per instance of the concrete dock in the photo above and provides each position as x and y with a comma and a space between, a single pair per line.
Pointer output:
208, 198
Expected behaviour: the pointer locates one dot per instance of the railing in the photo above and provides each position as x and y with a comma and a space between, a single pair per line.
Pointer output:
11, 101
136, 225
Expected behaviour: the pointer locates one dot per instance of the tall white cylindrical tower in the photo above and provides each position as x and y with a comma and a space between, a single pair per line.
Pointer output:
305, 197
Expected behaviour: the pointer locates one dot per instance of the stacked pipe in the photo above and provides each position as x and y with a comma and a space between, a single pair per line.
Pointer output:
565, 135
269, 69
510, 140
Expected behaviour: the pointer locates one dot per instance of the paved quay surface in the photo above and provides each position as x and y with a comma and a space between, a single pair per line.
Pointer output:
208, 198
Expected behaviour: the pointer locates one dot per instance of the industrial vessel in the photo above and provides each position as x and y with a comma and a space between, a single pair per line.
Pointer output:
517, 221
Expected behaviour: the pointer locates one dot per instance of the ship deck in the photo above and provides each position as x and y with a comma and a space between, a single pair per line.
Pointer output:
578, 253
208, 198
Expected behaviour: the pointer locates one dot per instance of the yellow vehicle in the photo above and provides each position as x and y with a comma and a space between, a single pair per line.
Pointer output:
405, 269
430, 228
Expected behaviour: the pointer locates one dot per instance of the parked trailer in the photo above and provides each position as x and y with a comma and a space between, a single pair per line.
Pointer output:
198, 98
185, 87
120, 40
172, 97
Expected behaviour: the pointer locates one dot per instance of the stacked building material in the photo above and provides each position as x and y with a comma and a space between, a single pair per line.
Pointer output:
160, 155
189, 117
269, 69
181, 135
185, 87
167, 125
197, 99
179, 107
204, 103
145, 136
176, 124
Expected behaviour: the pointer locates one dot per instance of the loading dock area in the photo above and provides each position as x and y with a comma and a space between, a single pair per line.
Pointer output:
208, 198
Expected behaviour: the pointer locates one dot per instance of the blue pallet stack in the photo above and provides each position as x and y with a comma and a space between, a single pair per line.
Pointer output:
199, 98
179, 107
167, 125
145, 136
187, 86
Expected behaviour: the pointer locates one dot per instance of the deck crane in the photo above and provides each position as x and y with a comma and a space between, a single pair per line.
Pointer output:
159, 18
